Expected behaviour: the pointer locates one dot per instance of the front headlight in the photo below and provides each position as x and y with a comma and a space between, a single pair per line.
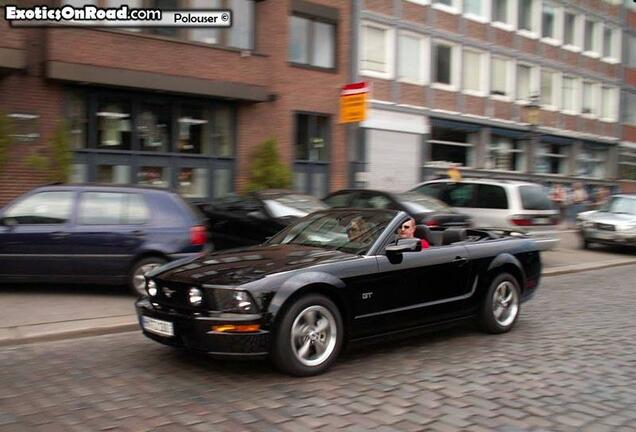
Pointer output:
151, 287
234, 301
195, 296
630, 227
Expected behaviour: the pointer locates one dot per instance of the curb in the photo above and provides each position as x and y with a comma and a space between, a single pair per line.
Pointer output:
49, 332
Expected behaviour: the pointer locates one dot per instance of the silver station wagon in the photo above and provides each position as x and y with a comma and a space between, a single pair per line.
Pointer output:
614, 223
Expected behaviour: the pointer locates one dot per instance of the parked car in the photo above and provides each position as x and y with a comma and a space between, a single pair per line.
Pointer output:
426, 210
613, 224
96, 234
317, 283
235, 221
507, 204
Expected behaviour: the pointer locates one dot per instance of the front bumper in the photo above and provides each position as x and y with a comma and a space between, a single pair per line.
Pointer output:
195, 332
627, 238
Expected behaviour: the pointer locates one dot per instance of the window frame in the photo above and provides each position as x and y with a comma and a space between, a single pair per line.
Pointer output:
455, 66
596, 97
613, 104
615, 45
484, 17
554, 105
577, 31
597, 38
535, 20
424, 50
511, 11
454, 8
483, 69
533, 82
575, 95
558, 23
311, 35
389, 54
509, 66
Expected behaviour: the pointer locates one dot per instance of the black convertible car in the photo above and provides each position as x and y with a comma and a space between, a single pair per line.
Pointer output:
334, 276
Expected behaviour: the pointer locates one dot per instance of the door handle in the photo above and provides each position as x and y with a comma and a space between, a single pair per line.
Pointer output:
460, 261
59, 235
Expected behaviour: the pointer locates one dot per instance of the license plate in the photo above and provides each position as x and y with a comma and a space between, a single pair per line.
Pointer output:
163, 328
542, 221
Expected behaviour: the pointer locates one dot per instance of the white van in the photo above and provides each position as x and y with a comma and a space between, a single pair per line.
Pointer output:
506, 204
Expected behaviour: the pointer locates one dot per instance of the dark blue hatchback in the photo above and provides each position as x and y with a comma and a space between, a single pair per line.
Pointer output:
96, 234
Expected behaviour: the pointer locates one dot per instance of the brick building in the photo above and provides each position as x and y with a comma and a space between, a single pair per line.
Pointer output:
452, 79
181, 107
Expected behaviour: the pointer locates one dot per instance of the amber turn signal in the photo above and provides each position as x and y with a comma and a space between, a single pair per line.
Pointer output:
231, 328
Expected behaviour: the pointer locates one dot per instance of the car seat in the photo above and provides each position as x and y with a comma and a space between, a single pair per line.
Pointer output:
453, 235
434, 238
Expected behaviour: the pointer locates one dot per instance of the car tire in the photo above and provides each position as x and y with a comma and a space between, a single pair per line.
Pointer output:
502, 304
309, 336
136, 281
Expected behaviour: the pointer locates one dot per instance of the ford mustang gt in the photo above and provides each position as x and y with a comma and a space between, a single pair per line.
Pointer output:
336, 276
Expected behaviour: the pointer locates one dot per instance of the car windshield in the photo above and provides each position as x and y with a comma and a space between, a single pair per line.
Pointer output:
620, 205
292, 205
347, 231
416, 203
534, 198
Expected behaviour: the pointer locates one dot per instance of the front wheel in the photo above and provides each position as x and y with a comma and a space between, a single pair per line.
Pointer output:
502, 304
137, 279
309, 336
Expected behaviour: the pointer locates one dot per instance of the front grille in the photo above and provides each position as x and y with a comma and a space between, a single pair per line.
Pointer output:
175, 296
605, 227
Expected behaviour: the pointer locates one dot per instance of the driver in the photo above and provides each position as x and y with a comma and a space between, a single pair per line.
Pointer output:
356, 229
407, 230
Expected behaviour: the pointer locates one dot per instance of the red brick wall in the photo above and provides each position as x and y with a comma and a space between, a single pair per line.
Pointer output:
627, 186
476, 30
631, 18
629, 133
630, 76
474, 105
445, 100
380, 89
412, 94
381, 6
504, 38
548, 118
446, 21
569, 122
414, 12
10, 37
502, 110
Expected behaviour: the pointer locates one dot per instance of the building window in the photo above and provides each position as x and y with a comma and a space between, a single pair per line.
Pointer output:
611, 44
77, 119
627, 161
376, 51
551, 159
192, 182
153, 176
453, 145
154, 127
630, 108
499, 84
570, 29
206, 34
525, 82
526, 20
114, 124
609, 102
473, 72
568, 92
591, 161
411, 65
589, 104
451, 6
631, 50
501, 11
548, 21
590, 39
548, 95
193, 130
311, 42
165, 5
223, 131
475, 8
312, 138
505, 154
241, 34
444, 64
113, 174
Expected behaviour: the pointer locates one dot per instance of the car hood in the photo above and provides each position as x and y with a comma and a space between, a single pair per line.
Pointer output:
610, 218
240, 266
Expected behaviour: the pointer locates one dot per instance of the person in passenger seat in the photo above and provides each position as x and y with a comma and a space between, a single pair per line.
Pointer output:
407, 230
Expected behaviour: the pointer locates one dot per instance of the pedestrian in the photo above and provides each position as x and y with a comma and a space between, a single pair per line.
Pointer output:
579, 202
558, 197
601, 196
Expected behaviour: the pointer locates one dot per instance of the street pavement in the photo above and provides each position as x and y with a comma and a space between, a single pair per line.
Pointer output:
568, 365
42, 313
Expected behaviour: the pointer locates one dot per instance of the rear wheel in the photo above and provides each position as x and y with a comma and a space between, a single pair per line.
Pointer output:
309, 336
502, 304
137, 280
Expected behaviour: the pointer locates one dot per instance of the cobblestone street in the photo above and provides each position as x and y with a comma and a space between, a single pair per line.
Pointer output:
569, 365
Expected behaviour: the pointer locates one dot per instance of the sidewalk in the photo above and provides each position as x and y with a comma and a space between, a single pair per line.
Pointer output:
46, 313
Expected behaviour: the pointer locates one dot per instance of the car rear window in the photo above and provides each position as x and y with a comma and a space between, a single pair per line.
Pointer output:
491, 197
534, 198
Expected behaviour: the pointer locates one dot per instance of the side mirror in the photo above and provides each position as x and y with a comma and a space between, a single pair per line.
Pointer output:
257, 214
404, 245
8, 222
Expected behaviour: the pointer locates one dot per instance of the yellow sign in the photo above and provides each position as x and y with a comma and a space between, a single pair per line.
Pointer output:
353, 108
